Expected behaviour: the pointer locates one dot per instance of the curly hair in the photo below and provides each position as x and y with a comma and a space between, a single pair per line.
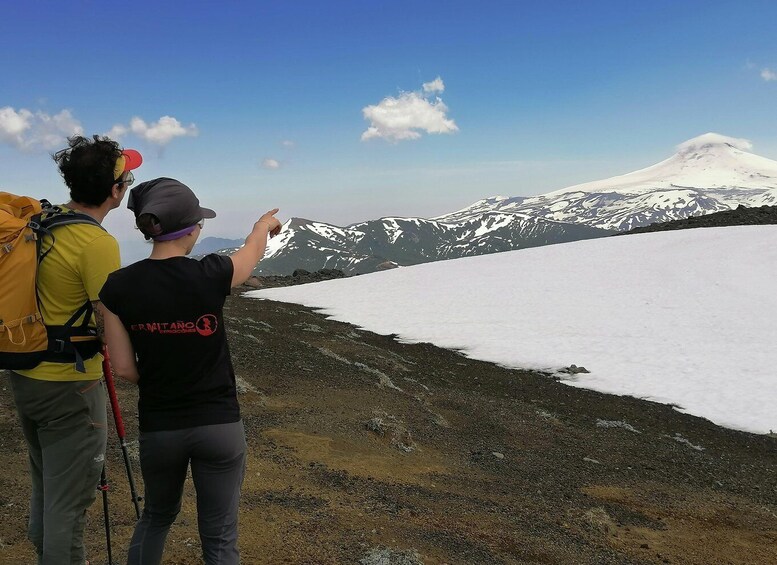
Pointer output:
87, 167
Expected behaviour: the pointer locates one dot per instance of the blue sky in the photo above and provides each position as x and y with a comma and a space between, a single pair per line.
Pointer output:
262, 104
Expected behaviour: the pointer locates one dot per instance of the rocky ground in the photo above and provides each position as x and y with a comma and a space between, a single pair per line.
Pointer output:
741, 216
365, 450
299, 276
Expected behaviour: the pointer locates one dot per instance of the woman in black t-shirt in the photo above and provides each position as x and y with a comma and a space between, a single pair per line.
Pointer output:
165, 330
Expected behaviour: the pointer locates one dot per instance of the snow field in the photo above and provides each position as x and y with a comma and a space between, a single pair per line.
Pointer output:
685, 317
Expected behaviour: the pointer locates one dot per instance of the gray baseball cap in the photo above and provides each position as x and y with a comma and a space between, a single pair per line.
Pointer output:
172, 202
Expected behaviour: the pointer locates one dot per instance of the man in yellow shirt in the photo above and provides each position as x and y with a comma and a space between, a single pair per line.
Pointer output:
62, 402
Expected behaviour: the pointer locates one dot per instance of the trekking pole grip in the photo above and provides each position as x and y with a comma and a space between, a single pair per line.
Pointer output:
108, 372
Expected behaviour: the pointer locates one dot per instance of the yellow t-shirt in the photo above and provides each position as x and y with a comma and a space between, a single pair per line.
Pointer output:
75, 270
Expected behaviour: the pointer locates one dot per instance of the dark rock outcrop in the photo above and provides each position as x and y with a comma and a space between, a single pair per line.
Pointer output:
300, 276
741, 216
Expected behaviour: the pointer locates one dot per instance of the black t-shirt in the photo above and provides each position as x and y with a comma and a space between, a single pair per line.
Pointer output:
173, 312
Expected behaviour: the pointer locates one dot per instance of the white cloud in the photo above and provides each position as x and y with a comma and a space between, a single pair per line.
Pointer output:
712, 138
409, 114
436, 85
33, 131
768, 75
29, 130
50, 132
117, 132
271, 164
288, 143
161, 132
14, 124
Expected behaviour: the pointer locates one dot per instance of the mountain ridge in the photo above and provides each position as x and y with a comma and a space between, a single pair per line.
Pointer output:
707, 174
394, 241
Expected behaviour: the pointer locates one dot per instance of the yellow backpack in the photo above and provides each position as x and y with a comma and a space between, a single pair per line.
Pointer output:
25, 340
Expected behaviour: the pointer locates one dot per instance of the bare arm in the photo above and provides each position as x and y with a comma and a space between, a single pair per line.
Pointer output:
120, 347
244, 260
99, 320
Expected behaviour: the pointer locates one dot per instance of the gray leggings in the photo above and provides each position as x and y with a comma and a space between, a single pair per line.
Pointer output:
217, 455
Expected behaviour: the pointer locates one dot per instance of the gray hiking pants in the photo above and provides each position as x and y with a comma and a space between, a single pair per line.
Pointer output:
64, 424
217, 454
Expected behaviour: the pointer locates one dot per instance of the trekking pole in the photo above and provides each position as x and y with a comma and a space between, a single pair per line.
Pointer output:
104, 488
108, 373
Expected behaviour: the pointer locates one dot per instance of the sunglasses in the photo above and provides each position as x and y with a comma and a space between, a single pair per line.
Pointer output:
130, 178
201, 223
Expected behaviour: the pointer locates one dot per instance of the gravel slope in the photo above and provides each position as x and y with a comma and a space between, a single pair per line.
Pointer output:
365, 449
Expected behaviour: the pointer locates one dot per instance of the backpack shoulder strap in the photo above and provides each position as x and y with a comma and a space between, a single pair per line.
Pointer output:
54, 216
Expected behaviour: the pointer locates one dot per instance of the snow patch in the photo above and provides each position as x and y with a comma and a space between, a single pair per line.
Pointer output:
683, 317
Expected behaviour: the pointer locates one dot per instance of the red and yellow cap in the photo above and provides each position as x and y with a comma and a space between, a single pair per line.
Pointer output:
127, 161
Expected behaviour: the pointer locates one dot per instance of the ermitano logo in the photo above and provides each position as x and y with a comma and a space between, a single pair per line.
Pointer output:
205, 325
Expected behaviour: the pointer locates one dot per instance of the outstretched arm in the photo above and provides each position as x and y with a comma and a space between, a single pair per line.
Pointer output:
120, 347
244, 260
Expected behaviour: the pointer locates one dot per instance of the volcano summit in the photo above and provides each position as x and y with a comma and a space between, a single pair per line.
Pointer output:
709, 173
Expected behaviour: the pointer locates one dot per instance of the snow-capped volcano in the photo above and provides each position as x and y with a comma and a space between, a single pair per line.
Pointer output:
707, 174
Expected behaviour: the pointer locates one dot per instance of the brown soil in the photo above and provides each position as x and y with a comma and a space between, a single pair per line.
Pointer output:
358, 442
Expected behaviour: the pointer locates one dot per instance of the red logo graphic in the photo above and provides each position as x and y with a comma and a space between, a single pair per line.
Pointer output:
207, 324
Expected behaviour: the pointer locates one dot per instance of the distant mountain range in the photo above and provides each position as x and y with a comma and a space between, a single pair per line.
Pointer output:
709, 173
391, 242
214, 244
